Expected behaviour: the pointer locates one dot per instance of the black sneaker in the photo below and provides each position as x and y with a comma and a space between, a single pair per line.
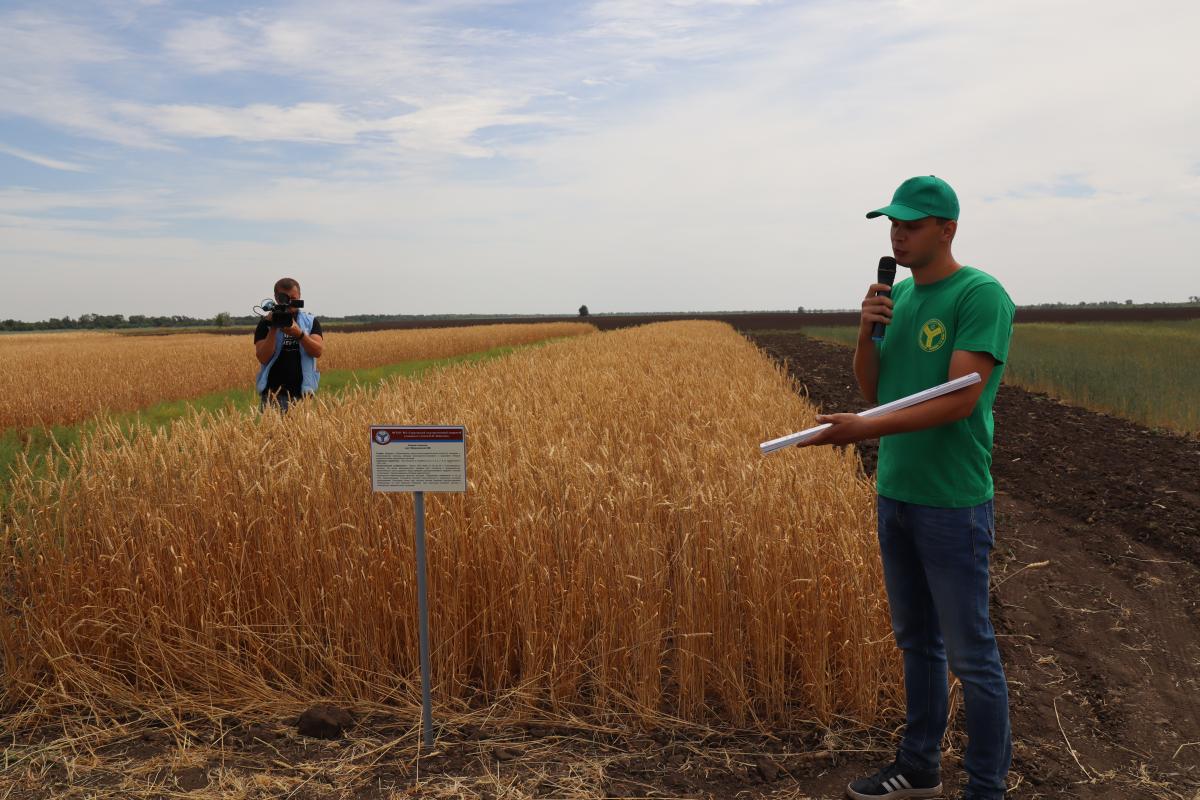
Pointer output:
894, 782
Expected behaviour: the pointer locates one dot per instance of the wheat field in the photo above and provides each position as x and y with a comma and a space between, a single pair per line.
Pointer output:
64, 378
623, 551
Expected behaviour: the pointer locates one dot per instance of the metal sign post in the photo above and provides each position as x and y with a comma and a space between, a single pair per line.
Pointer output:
423, 613
419, 459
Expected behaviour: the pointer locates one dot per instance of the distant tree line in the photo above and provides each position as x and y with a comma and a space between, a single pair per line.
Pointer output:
1193, 300
225, 319
120, 322
221, 320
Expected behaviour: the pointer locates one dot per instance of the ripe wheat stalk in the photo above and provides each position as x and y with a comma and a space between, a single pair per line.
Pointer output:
624, 551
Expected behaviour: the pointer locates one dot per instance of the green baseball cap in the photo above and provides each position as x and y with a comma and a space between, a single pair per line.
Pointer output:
919, 197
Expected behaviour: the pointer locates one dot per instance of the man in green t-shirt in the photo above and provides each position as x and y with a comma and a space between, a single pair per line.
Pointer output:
934, 484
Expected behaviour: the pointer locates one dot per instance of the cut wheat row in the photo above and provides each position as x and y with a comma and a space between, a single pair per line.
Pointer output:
623, 551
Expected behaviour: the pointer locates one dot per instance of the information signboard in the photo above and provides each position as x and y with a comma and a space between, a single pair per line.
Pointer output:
419, 458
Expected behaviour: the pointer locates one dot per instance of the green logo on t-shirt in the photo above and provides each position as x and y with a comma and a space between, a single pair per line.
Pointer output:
947, 466
932, 335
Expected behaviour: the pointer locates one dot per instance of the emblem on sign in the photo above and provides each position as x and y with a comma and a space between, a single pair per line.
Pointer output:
382, 437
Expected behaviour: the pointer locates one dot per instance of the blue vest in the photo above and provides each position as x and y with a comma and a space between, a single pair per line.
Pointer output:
310, 376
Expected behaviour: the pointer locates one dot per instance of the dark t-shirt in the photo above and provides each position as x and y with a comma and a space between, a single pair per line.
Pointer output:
285, 374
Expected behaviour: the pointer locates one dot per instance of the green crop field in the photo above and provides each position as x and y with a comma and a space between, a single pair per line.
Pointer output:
1138, 370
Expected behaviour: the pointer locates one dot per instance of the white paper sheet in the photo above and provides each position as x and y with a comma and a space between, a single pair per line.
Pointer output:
895, 405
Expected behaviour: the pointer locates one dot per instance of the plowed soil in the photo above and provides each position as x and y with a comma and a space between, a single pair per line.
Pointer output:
1096, 587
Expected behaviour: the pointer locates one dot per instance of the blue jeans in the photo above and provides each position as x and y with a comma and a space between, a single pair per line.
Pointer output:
935, 565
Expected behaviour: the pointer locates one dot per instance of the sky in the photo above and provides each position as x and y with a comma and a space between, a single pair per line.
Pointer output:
495, 156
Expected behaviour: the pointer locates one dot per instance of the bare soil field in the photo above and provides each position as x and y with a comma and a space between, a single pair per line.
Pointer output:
1096, 587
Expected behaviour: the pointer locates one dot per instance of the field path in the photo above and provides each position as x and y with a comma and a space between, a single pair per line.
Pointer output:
1096, 589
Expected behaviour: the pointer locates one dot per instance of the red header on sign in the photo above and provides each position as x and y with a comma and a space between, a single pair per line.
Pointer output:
420, 434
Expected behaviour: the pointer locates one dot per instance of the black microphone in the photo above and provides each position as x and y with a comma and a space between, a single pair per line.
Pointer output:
887, 274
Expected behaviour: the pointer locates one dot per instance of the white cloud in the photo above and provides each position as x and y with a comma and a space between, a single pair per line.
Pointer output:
40, 67
40, 160
31, 38
211, 45
443, 128
305, 122
24, 200
403, 82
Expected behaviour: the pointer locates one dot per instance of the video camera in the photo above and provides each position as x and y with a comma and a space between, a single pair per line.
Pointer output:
282, 310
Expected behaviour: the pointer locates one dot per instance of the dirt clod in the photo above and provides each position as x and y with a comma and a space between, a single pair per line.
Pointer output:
325, 721
767, 769
190, 779
506, 753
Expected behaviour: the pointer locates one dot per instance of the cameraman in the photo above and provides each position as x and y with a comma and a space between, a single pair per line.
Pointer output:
288, 355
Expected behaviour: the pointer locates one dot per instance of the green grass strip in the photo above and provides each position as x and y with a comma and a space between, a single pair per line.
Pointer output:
34, 443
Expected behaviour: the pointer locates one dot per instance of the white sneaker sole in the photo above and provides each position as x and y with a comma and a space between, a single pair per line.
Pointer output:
899, 794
